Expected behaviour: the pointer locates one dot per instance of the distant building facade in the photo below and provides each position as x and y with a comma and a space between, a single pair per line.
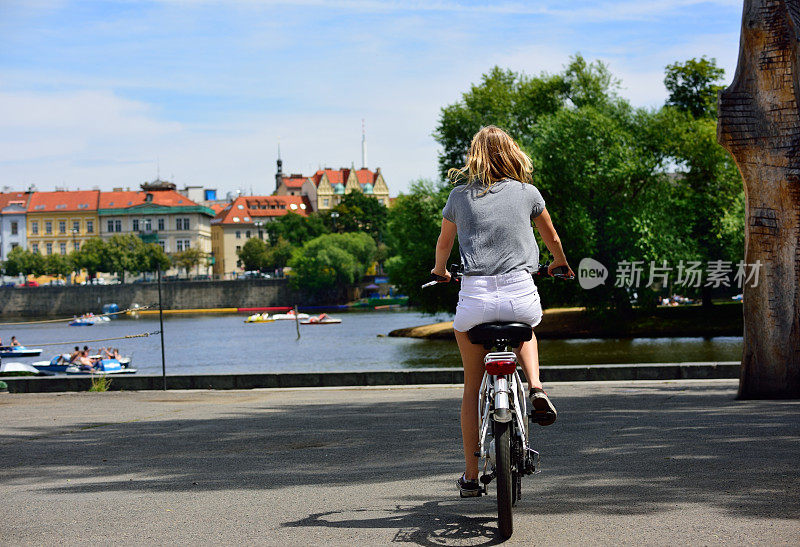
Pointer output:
160, 216
13, 209
326, 188
60, 222
245, 218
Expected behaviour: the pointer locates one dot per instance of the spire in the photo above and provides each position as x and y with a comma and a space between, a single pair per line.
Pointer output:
279, 173
363, 144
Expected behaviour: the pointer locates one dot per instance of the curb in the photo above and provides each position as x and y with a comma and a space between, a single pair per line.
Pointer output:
576, 373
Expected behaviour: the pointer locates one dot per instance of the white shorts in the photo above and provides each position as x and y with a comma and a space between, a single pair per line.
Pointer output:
489, 298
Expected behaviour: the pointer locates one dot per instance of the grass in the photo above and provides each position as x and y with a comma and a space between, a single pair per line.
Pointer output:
100, 383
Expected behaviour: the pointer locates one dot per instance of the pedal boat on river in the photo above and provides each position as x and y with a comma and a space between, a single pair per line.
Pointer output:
259, 318
19, 351
88, 319
290, 315
322, 319
60, 363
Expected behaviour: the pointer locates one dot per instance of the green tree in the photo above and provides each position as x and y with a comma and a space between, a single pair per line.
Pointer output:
155, 258
296, 229
24, 262
332, 260
92, 257
415, 220
693, 86
187, 259
279, 254
253, 254
125, 253
357, 212
58, 265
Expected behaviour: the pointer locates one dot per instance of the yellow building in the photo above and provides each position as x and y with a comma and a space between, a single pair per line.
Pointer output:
244, 218
326, 188
59, 222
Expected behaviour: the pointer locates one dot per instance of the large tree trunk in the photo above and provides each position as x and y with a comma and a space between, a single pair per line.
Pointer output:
759, 124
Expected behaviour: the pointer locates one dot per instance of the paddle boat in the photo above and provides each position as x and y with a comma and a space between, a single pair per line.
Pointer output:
20, 369
322, 319
103, 366
60, 363
290, 315
88, 319
19, 351
259, 318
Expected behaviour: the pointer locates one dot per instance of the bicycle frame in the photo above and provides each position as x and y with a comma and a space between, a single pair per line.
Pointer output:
500, 392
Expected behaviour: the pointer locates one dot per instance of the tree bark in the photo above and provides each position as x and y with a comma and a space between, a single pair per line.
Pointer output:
759, 124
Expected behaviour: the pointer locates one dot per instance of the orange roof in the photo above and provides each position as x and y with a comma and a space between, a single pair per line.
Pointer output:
365, 176
49, 202
294, 182
248, 209
14, 198
217, 207
336, 176
122, 200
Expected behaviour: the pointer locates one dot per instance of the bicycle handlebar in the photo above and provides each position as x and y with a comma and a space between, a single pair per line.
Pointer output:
559, 272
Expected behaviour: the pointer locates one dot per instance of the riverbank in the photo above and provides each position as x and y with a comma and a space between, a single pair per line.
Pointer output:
723, 319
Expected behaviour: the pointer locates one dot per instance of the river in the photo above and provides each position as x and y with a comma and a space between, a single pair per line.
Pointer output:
224, 343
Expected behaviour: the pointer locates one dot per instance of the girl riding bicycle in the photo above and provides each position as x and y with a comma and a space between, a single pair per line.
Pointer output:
491, 214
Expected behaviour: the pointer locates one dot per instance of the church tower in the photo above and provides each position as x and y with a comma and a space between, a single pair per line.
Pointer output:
279, 173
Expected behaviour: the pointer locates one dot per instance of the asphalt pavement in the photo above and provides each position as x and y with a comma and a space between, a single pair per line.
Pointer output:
676, 462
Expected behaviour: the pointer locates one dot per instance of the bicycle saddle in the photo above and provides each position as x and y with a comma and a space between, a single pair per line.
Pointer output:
491, 333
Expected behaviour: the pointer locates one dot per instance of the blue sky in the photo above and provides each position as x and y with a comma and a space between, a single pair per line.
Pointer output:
105, 93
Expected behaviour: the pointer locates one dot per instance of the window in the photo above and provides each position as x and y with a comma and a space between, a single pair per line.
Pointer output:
247, 234
14, 228
62, 247
162, 244
181, 223
148, 225
34, 228
238, 248
48, 248
76, 246
62, 226
183, 244
48, 227
35, 247
238, 234
14, 246
161, 224
110, 225
89, 226
136, 225
76, 226
118, 225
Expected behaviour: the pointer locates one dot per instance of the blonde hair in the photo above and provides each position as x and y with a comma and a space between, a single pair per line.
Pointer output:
493, 156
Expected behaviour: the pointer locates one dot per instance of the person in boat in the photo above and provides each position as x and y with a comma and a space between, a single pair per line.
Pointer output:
75, 355
116, 354
491, 214
14, 342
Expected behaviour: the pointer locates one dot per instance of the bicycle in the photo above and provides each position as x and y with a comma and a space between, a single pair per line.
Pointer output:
503, 417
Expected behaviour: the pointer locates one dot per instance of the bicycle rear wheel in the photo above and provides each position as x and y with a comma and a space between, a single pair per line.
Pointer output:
502, 443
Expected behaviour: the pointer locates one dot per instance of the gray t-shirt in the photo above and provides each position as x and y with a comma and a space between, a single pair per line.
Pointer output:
495, 235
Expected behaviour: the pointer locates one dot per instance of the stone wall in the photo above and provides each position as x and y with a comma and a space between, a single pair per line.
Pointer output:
78, 299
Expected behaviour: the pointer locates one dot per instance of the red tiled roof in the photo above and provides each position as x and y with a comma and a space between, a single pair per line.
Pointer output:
335, 176
365, 176
14, 198
121, 200
294, 182
217, 207
247, 209
48, 202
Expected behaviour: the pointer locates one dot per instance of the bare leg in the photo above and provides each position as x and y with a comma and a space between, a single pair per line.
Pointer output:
528, 355
472, 357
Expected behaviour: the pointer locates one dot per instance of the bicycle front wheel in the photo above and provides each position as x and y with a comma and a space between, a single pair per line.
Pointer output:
502, 444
